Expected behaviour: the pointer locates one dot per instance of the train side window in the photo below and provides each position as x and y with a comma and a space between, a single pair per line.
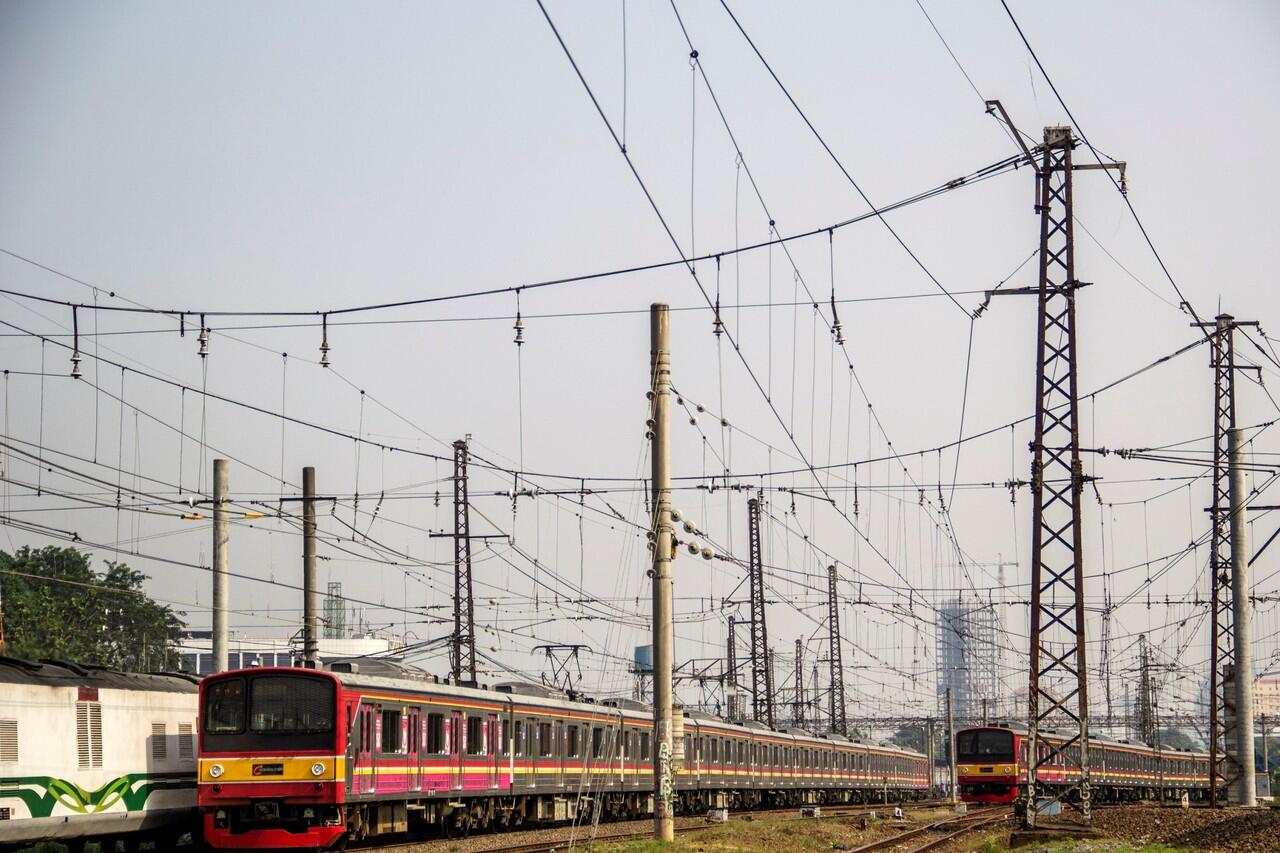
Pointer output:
597, 742
435, 733
475, 736
519, 737
390, 731
571, 747
544, 740
644, 746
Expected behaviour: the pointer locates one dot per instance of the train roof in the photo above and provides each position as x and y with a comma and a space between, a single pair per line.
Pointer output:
371, 674
1094, 737
58, 673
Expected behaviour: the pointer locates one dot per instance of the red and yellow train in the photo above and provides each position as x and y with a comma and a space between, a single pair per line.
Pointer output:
991, 767
308, 758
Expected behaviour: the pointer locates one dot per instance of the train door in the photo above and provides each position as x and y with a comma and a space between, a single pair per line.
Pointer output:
557, 746
457, 735
492, 740
413, 748
366, 751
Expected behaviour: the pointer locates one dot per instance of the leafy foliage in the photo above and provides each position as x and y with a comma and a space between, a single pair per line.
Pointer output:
57, 606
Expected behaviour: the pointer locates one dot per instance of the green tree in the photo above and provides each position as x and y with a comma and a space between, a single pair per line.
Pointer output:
57, 606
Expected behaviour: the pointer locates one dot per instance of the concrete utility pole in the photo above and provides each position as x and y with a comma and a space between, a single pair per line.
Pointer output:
797, 701
1244, 792
310, 643
221, 537
951, 749
928, 750
731, 671
663, 629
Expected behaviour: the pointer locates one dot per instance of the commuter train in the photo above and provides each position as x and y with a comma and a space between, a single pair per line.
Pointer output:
316, 758
88, 754
991, 767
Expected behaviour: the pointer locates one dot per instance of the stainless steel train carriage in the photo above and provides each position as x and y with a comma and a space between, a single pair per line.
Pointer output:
88, 754
312, 759
992, 767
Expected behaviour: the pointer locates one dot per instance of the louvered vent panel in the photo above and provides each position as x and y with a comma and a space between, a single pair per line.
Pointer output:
186, 742
95, 732
8, 741
159, 744
83, 753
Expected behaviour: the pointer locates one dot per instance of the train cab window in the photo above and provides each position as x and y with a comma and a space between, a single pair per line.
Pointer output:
597, 742
571, 747
435, 734
291, 704
545, 744
224, 707
475, 736
390, 731
644, 746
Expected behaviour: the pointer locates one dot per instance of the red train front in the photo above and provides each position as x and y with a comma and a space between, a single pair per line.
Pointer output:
987, 765
272, 768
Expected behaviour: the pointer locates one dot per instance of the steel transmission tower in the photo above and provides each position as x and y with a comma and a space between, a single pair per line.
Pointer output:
1059, 676
463, 652
1146, 694
839, 720
761, 671
1058, 672
1224, 763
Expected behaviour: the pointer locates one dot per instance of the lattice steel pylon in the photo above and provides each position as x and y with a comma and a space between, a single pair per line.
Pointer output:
1058, 673
761, 671
462, 652
1145, 712
839, 719
1221, 630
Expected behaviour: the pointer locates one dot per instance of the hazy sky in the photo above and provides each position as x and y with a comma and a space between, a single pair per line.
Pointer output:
311, 156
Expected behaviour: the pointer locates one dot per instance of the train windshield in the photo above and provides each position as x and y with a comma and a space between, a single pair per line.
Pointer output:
289, 704
979, 745
272, 710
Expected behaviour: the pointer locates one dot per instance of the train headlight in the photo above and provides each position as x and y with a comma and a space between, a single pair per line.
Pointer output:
317, 769
215, 770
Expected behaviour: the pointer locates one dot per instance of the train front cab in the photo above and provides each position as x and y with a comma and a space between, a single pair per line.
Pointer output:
272, 772
987, 765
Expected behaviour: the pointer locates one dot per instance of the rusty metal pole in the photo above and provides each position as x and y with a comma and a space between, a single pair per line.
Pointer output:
839, 719
663, 628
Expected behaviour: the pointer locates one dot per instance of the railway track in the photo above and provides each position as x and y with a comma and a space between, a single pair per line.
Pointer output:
952, 828
581, 838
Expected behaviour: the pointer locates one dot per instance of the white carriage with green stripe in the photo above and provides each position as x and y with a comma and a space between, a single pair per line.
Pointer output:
88, 754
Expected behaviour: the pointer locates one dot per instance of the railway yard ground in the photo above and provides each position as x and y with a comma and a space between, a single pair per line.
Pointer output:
1142, 828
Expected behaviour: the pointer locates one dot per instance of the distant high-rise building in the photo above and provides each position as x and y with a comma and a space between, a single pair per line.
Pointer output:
967, 658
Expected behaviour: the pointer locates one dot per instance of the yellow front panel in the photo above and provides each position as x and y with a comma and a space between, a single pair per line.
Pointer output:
293, 768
